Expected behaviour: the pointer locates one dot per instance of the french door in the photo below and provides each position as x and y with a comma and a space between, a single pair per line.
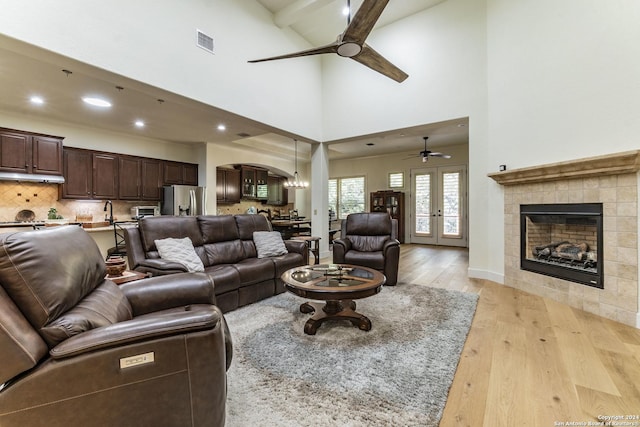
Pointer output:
438, 206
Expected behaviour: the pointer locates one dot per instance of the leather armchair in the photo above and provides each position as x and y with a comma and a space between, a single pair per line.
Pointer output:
78, 350
369, 240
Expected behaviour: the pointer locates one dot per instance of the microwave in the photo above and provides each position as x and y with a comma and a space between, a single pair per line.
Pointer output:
142, 211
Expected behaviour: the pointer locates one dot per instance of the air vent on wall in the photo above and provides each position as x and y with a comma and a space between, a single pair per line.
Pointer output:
204, 41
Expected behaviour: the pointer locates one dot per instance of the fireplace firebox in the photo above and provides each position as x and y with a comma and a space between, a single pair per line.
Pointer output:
563, 241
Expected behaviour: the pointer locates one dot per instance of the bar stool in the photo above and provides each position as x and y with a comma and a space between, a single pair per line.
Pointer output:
313, 243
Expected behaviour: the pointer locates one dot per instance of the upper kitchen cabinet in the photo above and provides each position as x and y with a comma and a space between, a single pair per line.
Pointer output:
254, 183
46, 155
93, 174
78, 174
227, 186
190, 174
25, 152
129, 178
105, 176
89, 175
278, 193
151, 178
180, 173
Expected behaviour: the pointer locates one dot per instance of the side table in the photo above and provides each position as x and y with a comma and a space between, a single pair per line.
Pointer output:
127, 276
313, 243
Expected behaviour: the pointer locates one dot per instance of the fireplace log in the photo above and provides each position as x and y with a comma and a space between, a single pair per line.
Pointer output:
546, 250
564, 250
573, 251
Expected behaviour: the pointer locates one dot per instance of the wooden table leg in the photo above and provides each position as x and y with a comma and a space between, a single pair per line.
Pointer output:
333, 310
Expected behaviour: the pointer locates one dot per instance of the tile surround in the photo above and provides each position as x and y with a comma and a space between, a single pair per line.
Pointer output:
615, 185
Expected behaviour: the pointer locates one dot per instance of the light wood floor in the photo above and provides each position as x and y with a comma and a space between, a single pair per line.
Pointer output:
528, 360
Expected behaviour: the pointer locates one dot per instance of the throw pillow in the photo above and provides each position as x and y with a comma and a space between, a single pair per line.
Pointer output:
269, 243
180, 250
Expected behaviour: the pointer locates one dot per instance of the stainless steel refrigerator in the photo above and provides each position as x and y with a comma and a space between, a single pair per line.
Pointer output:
183, 200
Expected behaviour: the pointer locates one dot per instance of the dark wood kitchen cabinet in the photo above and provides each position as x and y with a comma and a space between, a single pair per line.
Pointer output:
129, 178
278, 193
176, 173
25, 152
190, 174
46, 155
172, 173
89, 175
78, 175
105, 176
151, 177
254, 183
227, 186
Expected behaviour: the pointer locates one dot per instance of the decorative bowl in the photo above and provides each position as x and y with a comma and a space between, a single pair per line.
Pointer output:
116, 266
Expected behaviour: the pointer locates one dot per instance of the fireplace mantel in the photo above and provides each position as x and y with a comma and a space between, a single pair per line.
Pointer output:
610, 164
612, 180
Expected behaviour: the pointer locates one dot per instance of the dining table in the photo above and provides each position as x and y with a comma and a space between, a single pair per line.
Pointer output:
292, 227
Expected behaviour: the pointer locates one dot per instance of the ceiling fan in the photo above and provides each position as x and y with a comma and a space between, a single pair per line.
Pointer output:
425, 154
351, 43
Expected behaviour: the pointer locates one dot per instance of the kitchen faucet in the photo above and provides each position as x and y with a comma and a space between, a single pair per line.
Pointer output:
110, 218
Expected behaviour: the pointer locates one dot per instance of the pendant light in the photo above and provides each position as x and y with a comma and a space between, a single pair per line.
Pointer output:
296, 182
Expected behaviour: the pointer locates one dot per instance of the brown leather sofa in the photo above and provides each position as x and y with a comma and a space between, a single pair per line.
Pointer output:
225, 245
369, 240
78, 350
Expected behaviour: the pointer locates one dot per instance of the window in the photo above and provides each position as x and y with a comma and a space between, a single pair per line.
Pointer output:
396, 180
346, 195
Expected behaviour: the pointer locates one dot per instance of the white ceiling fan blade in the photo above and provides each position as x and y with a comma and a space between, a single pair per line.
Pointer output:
436, 154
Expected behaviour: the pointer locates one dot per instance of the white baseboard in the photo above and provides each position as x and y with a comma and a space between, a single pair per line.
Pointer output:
476, 273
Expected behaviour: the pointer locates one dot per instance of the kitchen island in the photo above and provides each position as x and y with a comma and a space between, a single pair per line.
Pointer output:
105, 235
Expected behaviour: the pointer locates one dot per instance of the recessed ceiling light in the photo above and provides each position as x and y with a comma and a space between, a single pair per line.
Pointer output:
37, 100
222, 127
345, 11
139, 123
96, 102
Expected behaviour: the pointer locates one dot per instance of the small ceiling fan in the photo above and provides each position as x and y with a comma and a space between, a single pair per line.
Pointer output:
425, 154
351, 43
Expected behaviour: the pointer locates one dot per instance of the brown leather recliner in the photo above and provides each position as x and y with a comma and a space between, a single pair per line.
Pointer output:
369, 240
78, 350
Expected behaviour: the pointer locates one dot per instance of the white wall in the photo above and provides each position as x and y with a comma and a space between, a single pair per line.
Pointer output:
153, 41
563, 79
443, 49
563, 84
376, 170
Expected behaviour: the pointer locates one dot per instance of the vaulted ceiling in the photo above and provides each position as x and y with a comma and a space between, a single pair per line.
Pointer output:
27, 70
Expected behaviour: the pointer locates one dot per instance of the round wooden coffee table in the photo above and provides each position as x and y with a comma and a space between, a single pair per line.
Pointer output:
336, 284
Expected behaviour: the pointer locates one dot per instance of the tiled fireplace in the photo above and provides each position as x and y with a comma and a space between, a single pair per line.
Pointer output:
610, 182
563, 240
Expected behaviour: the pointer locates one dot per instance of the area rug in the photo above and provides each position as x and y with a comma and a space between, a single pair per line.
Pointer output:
398, 373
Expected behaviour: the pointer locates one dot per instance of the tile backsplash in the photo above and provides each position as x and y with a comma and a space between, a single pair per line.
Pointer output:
40, 197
